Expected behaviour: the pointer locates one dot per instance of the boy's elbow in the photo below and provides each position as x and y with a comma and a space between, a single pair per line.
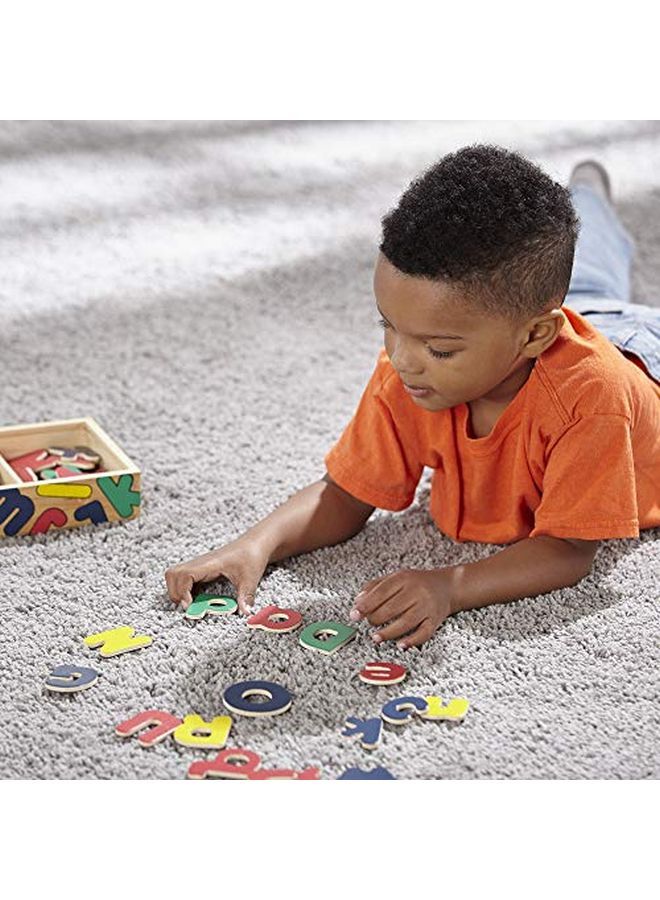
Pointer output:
583, 552
586, 549
577, 556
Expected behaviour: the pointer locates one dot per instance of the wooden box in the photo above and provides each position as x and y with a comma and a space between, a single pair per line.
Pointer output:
32, 507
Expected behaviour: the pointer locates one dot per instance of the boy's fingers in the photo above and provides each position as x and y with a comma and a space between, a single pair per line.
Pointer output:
183, 593
374, 581
390, 609
245, 601
169, 582
400, 626
178, 585
419, 636
374, 598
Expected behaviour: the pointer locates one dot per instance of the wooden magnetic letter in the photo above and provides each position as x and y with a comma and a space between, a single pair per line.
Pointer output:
67, 679
59, 472
51, 516
234, 763
365, 775
213, 604
29, 464
161, 724
53, 489
309, 774
195, 732
454, 710
66, 471
382, 673
275, 618
240, 763
118, 640
120, 493
82, 457
13, 501
402, 709
236, 698
93, 511
339, 634
370, 729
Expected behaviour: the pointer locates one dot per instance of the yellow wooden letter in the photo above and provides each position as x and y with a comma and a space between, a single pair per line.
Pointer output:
213, 734
118, 640
455, 709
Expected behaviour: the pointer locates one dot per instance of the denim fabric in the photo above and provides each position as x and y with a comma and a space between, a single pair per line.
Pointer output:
600, 282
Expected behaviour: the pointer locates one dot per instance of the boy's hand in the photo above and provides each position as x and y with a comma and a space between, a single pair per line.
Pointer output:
419, 599
243, 562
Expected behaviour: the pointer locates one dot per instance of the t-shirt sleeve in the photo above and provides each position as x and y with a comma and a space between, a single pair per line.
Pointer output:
589, 489
376, 457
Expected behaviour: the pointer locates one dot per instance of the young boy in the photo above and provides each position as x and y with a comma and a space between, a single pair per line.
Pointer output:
542, 423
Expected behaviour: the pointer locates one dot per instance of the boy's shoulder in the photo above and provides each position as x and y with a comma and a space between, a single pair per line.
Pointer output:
584, 374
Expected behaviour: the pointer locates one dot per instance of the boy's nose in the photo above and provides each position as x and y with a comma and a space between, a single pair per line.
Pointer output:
404, 363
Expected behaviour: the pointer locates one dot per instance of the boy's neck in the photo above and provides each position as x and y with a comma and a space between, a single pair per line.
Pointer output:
506, 390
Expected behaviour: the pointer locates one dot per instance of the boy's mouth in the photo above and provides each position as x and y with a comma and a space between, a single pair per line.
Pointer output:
417, 387
417, 391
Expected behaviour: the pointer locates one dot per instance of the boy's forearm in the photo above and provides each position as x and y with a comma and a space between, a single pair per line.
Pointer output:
315, 516
529, 567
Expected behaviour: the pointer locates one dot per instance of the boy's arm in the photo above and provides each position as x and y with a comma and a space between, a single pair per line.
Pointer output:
529, 567
318, 515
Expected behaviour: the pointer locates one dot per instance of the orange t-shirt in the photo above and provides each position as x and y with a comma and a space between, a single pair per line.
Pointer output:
575, 454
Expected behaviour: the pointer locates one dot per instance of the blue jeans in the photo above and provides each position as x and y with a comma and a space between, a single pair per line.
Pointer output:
600, 281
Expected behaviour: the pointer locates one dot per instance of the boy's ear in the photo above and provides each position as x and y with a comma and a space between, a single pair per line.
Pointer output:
550, 314
559, 317
544, 330
559, 314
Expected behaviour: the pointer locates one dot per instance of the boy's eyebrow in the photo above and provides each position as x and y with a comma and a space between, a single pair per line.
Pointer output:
449, 337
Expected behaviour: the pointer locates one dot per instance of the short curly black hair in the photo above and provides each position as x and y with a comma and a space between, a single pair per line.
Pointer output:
490, 223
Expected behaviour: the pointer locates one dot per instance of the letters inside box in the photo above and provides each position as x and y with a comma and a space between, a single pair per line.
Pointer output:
34, 506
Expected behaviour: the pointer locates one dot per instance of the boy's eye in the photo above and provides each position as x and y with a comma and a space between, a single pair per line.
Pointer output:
440, 354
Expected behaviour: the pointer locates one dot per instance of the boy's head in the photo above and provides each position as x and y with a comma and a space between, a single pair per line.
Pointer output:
481, 245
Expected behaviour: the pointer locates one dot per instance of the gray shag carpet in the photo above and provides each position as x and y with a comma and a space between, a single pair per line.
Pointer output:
203, 289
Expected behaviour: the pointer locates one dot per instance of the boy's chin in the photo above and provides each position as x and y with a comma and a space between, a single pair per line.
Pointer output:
433, 401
